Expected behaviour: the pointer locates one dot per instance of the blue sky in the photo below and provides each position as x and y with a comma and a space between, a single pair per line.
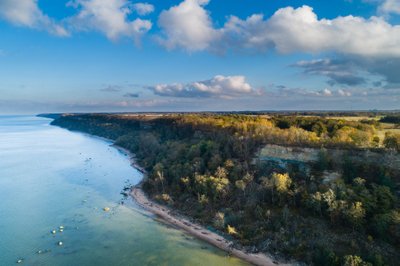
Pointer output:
198, 55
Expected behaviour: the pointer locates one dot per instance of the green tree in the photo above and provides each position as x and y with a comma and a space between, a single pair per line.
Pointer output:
243, 183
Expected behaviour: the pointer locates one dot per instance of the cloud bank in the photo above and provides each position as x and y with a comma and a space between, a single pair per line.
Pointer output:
289, 30
189, 26
218, 87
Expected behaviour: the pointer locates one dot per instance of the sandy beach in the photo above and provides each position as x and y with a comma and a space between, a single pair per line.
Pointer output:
198, 231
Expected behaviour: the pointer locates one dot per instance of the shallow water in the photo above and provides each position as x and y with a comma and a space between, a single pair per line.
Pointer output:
51, 177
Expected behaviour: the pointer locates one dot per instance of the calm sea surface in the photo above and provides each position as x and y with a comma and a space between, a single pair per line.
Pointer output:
51, 177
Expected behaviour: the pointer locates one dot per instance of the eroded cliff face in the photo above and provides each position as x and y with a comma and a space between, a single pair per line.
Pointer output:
305, 159
298, 154
389, 159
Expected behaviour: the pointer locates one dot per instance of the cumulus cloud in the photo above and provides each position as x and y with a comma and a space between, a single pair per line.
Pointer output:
28, 14
342, 92
338, 71
109, 17
143, 8
219, 87
188, 26
390, 7
300, 30
326, 92
321, 93
287, 92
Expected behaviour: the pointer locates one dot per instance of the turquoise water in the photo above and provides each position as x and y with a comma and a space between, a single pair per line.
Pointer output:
51, 177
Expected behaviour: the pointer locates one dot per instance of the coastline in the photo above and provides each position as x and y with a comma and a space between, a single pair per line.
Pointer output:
196, 230
193, 229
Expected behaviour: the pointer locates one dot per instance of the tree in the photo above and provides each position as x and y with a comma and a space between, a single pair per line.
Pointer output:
319, 128
351, 260
356, 214
231, 230
243, 183
392, 141
279, 183
221, 172
219, 220
159, 171
212, 186
315, 202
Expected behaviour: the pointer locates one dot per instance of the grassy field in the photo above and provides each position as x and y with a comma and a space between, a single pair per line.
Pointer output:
355, 118
380, 131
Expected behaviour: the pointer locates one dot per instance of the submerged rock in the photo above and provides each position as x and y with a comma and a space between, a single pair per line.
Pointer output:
20, 260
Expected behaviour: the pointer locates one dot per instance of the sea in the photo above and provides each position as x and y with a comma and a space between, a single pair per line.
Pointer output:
62, 203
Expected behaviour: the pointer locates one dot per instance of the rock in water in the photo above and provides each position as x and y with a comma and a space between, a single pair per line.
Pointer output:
106, 209
60, 243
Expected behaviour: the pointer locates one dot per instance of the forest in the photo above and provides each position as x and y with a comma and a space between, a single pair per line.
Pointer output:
205, 165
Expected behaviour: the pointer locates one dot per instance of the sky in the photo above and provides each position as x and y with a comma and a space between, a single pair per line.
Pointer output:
198, 55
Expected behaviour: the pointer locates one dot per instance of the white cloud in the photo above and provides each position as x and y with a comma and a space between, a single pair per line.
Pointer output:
219, 86
288, 30
28, 14
326, 92
283, 91
188, 26
299, 30
109, 17
344, 93
143, 8
390, 6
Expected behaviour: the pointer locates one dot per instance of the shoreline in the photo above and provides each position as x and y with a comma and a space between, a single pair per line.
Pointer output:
196, 230
132, 160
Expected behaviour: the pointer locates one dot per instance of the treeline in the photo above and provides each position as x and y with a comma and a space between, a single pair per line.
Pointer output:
391, 119
204, 165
